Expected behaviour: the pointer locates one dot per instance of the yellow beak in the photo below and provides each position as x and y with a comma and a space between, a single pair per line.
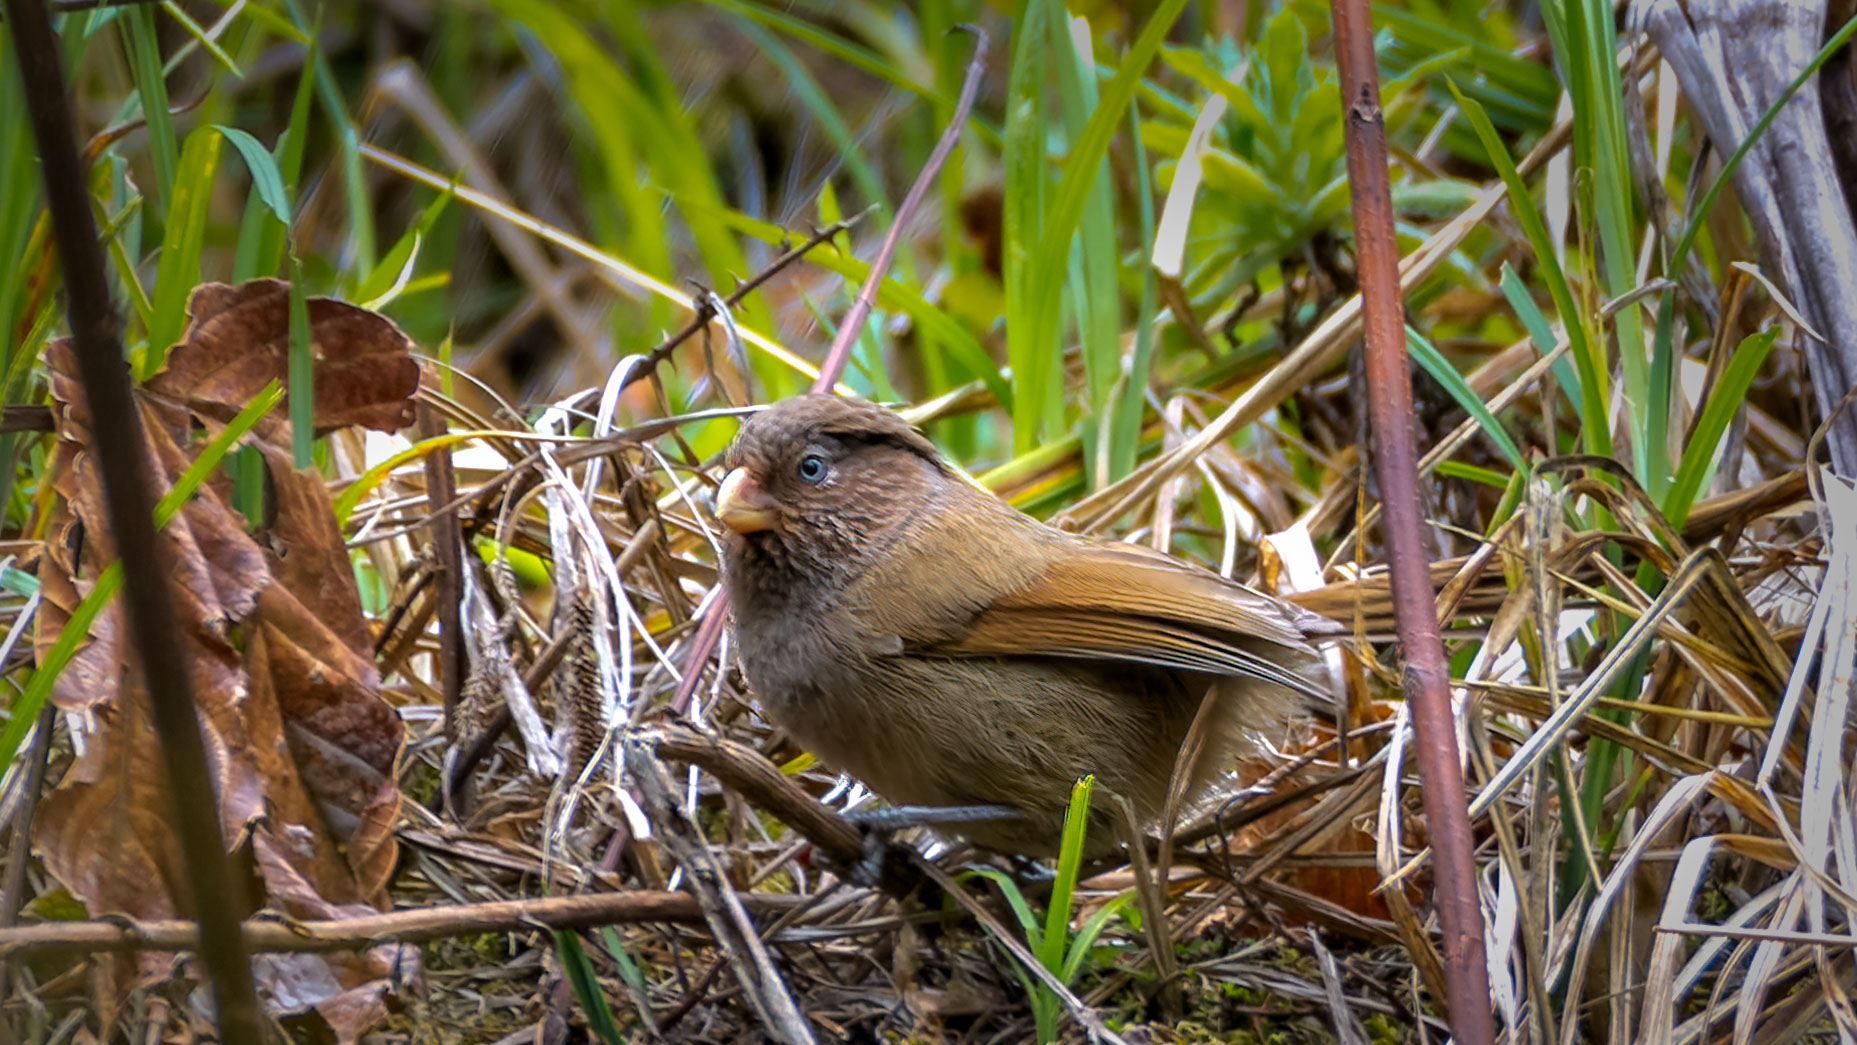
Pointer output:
741, 504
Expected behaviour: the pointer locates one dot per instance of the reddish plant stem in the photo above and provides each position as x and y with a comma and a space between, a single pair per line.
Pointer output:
853, 323
448, 568
710, 630
121, 450
1389, 386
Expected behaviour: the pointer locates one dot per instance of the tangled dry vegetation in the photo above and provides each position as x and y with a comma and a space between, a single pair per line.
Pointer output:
482, 792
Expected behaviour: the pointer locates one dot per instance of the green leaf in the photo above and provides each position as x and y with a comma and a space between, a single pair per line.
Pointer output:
266, 180
1069, 865
261, 241
1234, 176
396, 266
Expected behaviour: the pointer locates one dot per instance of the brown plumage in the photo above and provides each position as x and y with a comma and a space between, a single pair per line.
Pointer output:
949, 650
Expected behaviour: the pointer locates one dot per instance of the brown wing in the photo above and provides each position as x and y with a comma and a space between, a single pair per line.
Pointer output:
1102, 600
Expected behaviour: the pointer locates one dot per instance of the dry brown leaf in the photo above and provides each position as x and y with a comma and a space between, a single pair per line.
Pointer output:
301, 747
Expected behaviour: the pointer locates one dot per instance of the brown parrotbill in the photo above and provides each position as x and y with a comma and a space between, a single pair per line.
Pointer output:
949, 650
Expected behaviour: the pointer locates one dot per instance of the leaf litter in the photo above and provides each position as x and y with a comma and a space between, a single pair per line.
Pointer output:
302, 747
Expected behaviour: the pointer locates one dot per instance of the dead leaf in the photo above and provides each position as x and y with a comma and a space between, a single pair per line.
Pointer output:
301, 747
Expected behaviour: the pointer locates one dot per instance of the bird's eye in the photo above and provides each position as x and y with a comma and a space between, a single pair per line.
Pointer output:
813, 468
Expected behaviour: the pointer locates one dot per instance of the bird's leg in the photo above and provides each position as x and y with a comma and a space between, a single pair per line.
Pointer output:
885, 863
896, 818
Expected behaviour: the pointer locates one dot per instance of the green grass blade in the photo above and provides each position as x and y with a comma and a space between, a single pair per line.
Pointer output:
20, 205
396, 266
138, 28
1030, 346
1087, 933
1539, 330
1094, 261
1662, 352
1614, 195
267, 182
585, 981
1080, 171
812, 97
894, 295
113, 234
855, 55
354, 186
1015, 899
1476, 474
181, 244
1460, 391
207, 43
1727, 397
1069, 863
629, 971
1588, 354
1125, 441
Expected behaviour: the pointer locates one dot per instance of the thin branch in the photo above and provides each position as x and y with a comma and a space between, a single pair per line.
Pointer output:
447, 571
706, 312
13, 886
748, 773
414, 925
1460, 913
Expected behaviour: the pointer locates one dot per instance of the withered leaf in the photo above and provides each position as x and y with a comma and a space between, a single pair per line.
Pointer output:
300, 745
239, 339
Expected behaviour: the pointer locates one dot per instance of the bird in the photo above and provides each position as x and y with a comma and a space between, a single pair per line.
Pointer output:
907, 626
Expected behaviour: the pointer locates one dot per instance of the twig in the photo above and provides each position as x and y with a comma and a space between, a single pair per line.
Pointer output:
736, 936
749, 774
414, 925
447, 567
121, 450
27, 419
1389, 381
12, 893
706, 312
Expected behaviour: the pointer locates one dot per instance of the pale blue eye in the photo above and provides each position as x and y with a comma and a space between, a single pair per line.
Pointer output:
813, 468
